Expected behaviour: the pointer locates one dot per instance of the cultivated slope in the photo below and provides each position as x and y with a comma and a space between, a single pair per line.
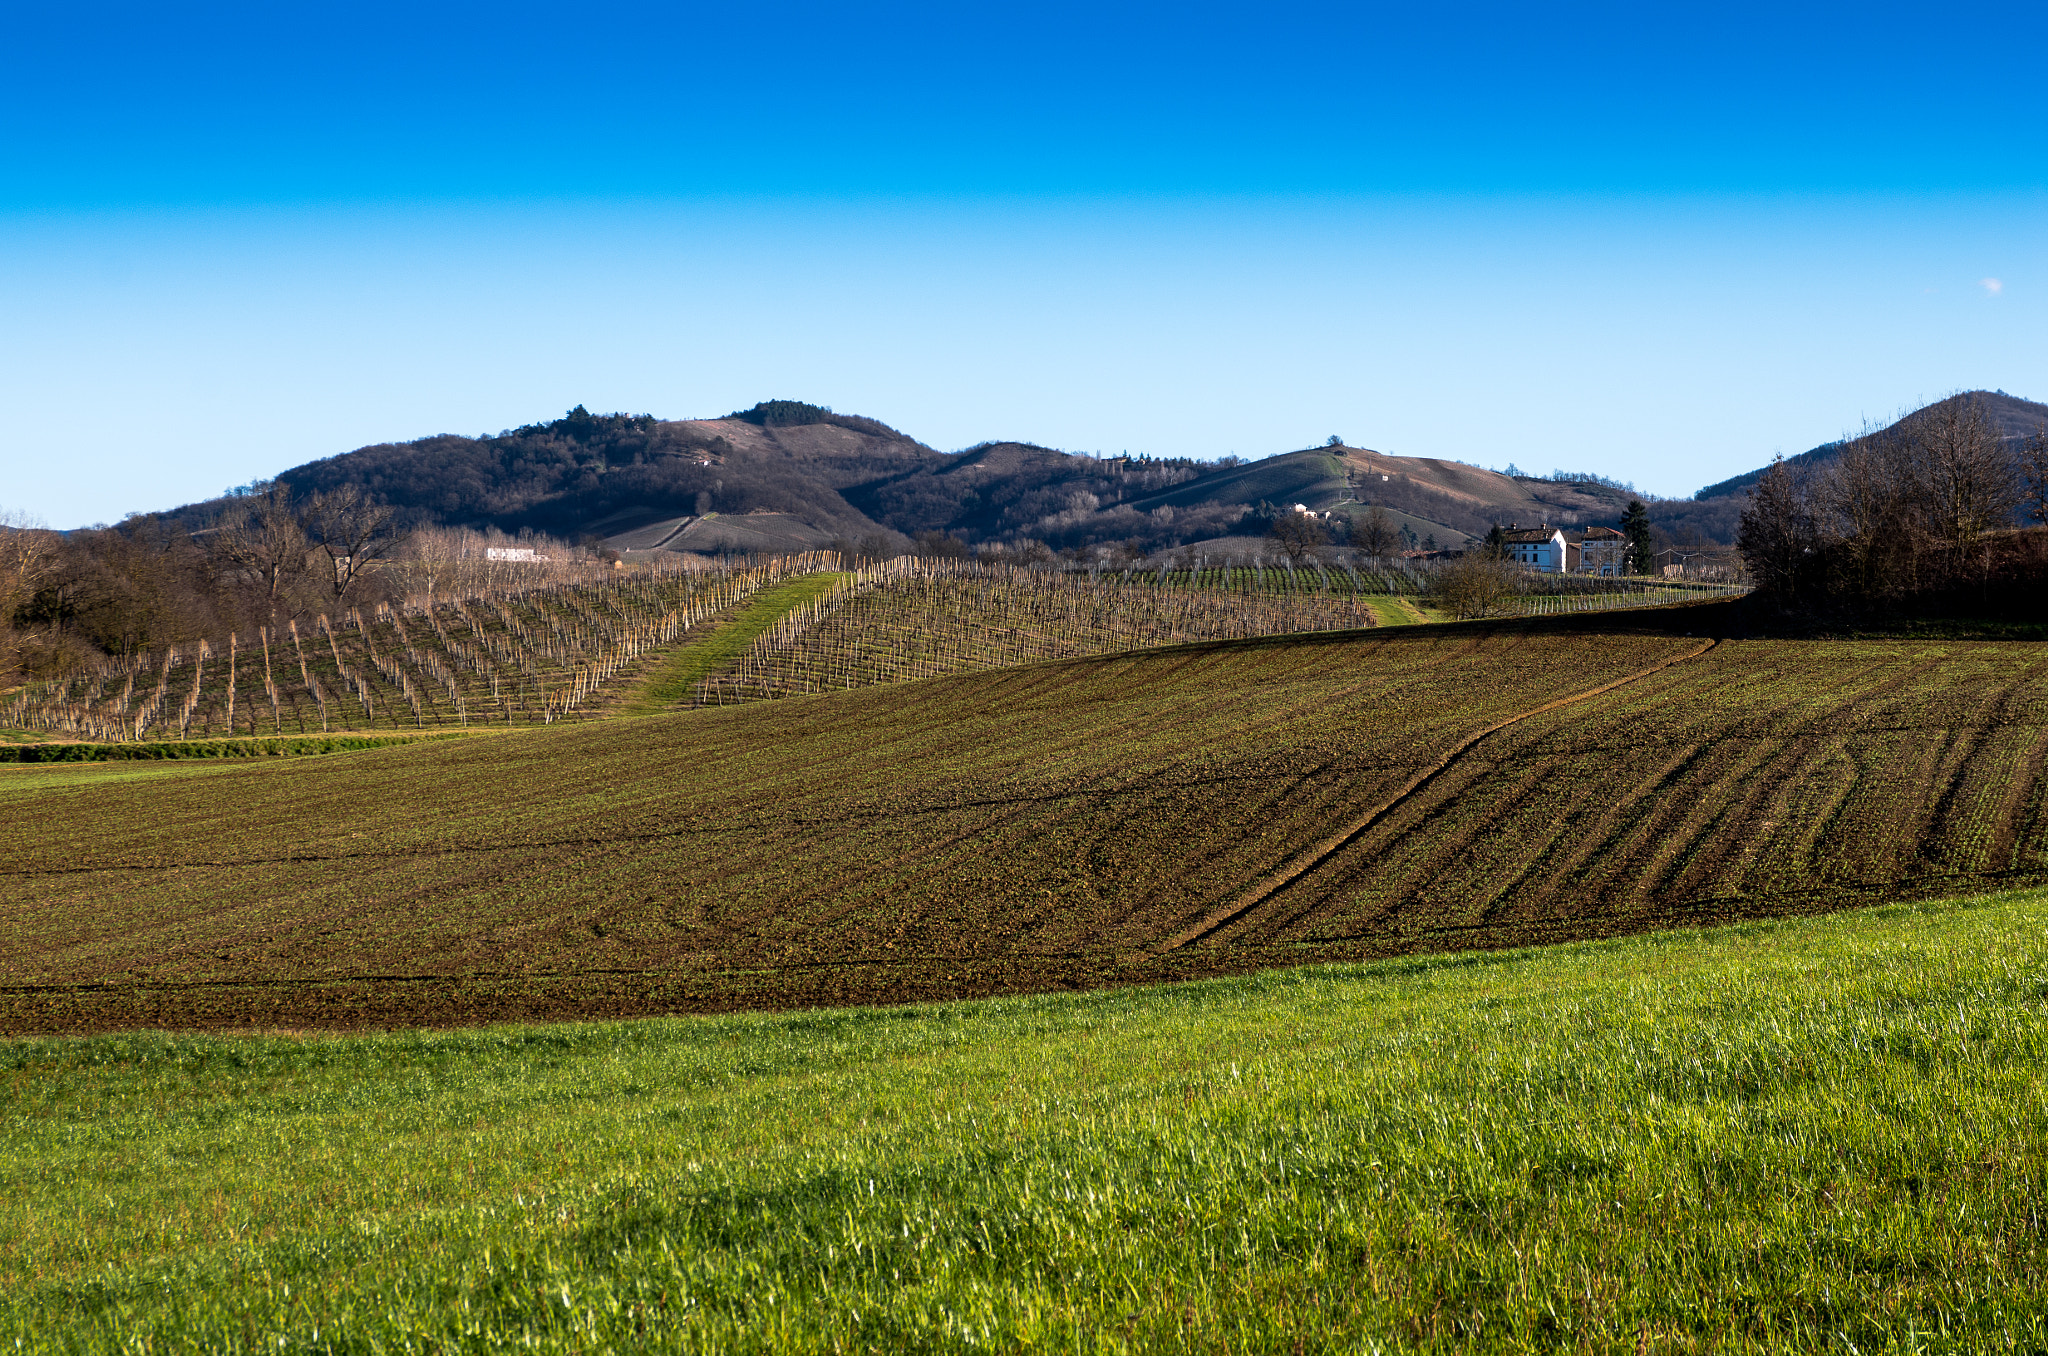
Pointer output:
1203, 809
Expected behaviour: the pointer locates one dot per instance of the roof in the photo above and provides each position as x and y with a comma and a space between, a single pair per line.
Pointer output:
1603, 534
1529, 535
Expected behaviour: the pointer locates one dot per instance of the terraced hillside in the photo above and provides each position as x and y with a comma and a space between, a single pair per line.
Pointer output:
1203, 809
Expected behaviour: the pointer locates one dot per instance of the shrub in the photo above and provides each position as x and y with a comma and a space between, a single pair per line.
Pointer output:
1477, 586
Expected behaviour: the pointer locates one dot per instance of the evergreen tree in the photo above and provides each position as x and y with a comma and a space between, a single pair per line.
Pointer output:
1635, 525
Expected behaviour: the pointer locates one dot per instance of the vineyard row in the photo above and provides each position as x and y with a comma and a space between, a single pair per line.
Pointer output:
541, 653
909, 618
515, 656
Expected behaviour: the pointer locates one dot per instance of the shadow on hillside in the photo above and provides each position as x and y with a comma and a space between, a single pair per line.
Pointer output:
1745, 618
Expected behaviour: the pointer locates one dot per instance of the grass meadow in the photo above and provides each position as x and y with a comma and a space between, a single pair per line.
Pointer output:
1823, 1134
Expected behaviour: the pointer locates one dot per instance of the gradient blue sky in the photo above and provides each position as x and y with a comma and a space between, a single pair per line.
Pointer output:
1655, 243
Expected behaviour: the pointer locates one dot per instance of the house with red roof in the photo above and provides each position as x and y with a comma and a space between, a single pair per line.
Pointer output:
1541, 548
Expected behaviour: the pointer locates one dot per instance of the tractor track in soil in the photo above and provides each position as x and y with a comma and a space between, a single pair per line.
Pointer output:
1319, 854
1129, 819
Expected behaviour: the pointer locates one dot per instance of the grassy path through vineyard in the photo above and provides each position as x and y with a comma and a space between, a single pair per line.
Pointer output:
673, 679
1392, 609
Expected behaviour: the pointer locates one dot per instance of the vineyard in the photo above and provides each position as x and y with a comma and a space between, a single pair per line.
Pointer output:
1211, 808
502, 655
488, 651
911, 618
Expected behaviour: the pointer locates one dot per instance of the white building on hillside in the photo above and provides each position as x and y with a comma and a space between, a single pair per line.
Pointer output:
1542, 549
1604, 551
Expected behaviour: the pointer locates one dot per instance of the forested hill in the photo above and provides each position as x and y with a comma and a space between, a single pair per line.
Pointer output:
790, 475
782, 474
587, 474
2014, 418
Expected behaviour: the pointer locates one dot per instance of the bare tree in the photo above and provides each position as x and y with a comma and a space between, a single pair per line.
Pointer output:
1778, 537
1299, 535
2033, 467
262, 534
1375, 535
1477, 585
940, 545
348, 526
459, 562
1868, 514
427, 559
1962, 471
28, 554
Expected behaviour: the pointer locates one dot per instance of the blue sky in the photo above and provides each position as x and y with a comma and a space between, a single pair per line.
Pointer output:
1656, 245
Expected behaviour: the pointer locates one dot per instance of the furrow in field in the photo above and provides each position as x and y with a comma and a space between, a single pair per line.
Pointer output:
1040, 827
1405, 872
2023, 845
1602, 811
1323, 851
1974, 825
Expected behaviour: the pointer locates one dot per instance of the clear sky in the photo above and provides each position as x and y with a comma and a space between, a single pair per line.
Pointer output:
1654, 242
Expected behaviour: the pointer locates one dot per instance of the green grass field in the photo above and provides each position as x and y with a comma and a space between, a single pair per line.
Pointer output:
1817, 1135
19, 781
185, 750
1396, 610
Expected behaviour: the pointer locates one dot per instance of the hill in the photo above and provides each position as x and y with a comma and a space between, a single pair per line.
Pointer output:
2015, 418
1203, 809
788, 476
784, 475
590, 475
1467, 500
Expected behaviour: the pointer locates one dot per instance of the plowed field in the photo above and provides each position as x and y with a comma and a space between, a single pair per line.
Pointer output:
1205, 809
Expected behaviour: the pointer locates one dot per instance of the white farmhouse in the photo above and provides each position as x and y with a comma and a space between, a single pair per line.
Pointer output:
1604, 551
1542, 549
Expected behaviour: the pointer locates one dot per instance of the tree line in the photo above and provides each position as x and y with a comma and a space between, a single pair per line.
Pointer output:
267, 556
1930, 508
